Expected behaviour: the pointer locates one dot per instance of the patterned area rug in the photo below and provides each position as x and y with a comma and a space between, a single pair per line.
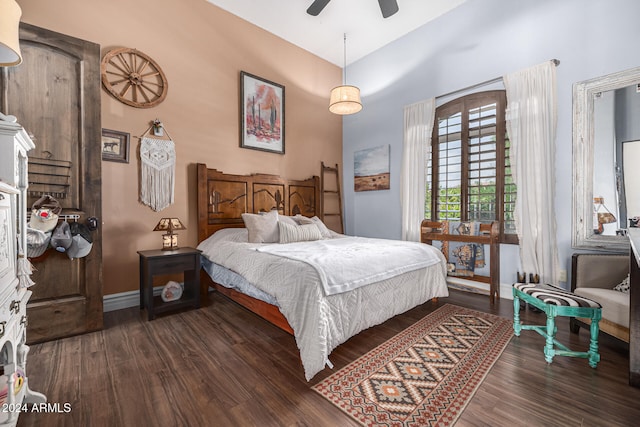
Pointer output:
424, 376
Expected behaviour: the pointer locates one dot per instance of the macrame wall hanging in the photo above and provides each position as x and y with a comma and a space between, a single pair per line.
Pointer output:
158, 169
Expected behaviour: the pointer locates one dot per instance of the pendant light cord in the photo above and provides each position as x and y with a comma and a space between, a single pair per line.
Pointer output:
344, 70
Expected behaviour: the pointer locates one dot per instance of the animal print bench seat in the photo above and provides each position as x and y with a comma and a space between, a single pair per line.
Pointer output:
557, 302
550, 294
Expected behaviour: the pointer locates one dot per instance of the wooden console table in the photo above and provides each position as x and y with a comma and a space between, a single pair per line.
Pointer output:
634, 308
489, 235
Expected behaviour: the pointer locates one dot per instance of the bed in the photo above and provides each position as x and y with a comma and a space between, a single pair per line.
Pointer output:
287, 284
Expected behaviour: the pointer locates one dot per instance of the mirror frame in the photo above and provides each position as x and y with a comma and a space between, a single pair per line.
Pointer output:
584, 92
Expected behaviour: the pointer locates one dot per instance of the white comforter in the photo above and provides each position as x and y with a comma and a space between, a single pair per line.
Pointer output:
346, 264
322, 322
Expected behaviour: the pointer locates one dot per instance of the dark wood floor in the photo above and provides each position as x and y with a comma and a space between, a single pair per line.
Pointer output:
223, 366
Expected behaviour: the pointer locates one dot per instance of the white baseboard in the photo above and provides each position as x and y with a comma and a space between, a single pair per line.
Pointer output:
505, 288
506, 291
120, 301
124, 300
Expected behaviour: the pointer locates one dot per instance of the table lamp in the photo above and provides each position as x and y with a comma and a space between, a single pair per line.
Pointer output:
169, 239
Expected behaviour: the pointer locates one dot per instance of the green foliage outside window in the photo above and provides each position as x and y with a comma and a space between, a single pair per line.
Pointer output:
481, 197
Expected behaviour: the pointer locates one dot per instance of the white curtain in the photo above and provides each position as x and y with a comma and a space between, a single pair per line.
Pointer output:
531, 125
418, 125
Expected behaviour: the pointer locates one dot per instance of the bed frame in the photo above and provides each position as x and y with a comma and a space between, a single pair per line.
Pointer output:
223, 198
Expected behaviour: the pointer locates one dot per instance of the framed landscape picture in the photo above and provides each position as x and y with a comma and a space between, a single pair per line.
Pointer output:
115, 146
262, 114
371, 169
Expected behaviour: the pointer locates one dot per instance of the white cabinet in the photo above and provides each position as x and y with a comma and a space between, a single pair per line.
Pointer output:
14, 385
15, 143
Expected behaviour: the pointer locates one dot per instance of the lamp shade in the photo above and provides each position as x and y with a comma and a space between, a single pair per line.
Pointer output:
10, 14
345, 100
169, 224
169, 240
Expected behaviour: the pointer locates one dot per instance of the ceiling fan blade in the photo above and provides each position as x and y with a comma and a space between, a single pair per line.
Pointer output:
316, 7
388, 7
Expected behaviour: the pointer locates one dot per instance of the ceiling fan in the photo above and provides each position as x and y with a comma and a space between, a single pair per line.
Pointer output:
387, 7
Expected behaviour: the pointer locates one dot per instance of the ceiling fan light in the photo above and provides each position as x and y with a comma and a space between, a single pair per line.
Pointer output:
345, 100
9, 40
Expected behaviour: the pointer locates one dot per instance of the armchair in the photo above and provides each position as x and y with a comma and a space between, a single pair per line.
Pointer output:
594, 276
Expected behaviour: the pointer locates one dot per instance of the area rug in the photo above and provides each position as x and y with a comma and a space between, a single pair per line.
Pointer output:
425, 375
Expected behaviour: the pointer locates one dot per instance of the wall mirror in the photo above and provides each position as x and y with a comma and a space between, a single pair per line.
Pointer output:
606, 160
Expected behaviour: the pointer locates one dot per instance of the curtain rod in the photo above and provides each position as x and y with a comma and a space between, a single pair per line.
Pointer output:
556, 62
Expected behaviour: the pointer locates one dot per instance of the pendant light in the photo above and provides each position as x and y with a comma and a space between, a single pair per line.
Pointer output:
345, 99
9, 41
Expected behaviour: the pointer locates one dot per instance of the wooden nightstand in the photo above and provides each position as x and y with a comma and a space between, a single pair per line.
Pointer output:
159, 262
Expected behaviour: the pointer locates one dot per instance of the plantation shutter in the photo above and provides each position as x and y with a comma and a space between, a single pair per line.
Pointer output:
470, 175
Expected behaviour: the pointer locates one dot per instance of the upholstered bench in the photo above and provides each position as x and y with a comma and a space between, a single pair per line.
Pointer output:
554, 302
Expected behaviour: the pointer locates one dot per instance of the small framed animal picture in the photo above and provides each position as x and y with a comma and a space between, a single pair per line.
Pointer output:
115, 146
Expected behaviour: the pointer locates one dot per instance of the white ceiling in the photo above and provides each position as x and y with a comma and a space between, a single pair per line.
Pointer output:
323, 35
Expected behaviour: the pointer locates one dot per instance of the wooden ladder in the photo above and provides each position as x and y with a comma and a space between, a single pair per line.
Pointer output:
330, 195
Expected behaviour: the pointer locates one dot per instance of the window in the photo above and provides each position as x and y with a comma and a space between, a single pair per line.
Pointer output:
469, 173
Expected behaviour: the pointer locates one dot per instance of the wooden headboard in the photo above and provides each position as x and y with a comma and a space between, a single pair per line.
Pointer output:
223, 198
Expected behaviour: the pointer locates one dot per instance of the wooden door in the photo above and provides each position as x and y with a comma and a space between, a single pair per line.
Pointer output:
55, 93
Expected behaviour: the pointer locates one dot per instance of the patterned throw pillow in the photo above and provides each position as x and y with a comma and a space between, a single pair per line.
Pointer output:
298, 233
324, 230
623, 286
301, 219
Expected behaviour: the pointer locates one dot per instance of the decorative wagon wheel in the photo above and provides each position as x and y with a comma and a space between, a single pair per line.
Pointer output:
133, 78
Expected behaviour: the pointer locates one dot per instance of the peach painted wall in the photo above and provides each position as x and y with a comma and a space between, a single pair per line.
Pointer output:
202, 50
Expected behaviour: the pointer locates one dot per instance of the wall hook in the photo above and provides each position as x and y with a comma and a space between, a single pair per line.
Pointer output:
158, 127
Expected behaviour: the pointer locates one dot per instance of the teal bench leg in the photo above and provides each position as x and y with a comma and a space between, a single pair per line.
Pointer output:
594, 356
517, 327
549, 350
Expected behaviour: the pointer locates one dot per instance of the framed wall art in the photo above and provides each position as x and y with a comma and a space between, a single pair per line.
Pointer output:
261, 114
115, 146
371, 169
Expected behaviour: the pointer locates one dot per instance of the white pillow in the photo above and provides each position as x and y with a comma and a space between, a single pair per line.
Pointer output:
288, 219
324, 230
298, 233
262, 228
